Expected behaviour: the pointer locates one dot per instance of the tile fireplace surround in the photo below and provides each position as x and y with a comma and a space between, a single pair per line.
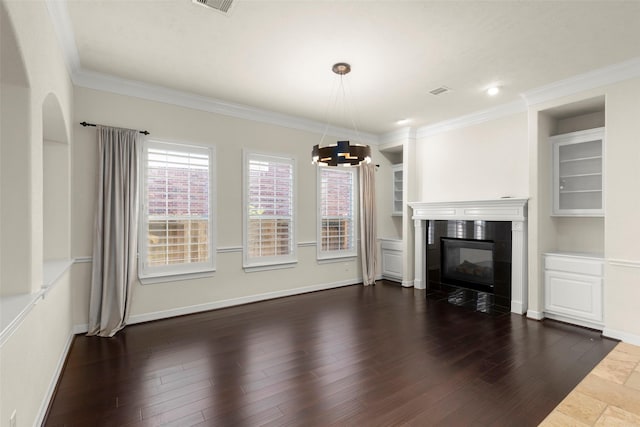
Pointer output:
508, 209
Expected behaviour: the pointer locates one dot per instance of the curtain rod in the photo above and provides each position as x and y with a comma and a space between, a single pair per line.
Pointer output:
144, 132
85, 124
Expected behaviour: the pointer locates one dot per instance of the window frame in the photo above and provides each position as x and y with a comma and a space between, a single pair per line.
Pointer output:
166, 273
323, 255
276, 261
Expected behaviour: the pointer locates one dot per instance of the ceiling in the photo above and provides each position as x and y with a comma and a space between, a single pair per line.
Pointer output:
277, 55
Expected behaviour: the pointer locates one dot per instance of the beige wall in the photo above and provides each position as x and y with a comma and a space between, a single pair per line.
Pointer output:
230, 136
56, 203
14, 184
622, 201
31, 355
484, 161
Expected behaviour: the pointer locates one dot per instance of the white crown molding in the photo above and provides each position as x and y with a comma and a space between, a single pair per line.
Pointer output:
137, 89
62, 25
398, 136
99, 81
586, 81
93, 80
472, 119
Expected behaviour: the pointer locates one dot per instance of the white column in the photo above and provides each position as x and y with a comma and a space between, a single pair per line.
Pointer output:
419, 278
519, 291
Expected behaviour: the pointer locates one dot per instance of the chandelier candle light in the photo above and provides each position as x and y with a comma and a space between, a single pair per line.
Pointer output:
342, 153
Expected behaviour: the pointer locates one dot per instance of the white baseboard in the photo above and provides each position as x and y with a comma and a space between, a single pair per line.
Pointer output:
622, 336
535, 315
573, 321
81, 329
157, 315
418, 284
517, 308
54, 381
407, 283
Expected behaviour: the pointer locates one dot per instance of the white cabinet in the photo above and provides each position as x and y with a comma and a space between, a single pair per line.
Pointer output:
391, 259
573, 288
396, 172
578, 173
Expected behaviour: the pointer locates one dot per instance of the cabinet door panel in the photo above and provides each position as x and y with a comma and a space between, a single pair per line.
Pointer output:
392, 263
573, 295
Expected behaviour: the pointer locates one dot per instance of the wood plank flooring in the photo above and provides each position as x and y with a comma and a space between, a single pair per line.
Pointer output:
375, 356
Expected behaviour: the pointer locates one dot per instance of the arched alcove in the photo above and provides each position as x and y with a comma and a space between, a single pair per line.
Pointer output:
56, 182
15, 136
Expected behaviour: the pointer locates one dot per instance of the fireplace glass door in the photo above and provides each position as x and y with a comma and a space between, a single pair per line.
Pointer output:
468, 262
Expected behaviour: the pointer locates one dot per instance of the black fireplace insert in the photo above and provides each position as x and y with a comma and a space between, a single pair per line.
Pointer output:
467, 263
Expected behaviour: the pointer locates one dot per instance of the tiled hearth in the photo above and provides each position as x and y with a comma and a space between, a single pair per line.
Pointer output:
608, 396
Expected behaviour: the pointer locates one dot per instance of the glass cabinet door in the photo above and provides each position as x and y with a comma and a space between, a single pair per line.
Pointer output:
578, 173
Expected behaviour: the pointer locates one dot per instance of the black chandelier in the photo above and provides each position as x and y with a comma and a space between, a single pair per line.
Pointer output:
342, 153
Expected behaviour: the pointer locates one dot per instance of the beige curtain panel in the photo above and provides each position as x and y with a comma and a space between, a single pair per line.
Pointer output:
368, 235
116, 230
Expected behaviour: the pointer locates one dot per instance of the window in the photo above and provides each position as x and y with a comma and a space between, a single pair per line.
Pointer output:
177, 224
269, 210
337, 206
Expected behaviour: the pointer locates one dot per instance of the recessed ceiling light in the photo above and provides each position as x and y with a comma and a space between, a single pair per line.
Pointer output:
493, 91
402, 121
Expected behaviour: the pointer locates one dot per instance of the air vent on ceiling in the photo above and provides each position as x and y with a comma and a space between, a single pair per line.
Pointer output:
223, 6
440, 90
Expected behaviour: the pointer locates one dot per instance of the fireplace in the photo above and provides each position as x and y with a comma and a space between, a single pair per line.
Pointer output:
471, 260
468, 263
440, 229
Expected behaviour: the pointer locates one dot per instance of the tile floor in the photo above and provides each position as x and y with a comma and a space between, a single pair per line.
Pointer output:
608, 396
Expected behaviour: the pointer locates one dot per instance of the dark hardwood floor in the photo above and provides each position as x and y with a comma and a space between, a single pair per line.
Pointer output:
374, 356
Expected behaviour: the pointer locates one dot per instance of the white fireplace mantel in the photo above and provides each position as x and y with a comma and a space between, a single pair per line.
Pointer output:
508, 209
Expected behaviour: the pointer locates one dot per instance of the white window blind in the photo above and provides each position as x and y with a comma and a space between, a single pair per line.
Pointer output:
337, 216
269, 210
177, 214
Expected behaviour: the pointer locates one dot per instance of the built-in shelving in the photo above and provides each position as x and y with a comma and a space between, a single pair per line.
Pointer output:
578, 173
397, 177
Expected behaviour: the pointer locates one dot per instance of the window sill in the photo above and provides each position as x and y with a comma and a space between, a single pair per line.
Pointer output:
266, 267
150, 280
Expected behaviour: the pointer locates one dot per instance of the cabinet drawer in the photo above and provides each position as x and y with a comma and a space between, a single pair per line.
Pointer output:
590, 267
573, 295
